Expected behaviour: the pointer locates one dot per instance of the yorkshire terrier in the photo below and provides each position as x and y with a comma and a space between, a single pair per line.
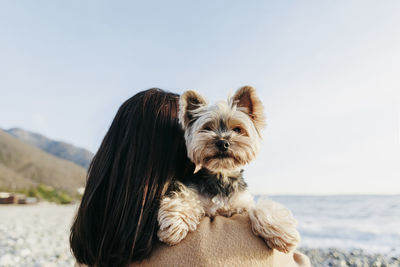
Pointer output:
220, 140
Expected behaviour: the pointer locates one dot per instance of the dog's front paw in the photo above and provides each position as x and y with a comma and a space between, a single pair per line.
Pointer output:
177, 216
172, 231
276, 225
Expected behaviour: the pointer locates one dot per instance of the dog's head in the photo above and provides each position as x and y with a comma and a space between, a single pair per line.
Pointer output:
225, 136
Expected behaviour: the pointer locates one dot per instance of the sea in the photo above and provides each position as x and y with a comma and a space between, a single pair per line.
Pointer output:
367, 222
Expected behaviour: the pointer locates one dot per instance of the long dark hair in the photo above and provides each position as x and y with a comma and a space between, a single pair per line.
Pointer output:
140, 156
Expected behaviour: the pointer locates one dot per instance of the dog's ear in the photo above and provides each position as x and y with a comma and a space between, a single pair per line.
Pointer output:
189, 105
246, 100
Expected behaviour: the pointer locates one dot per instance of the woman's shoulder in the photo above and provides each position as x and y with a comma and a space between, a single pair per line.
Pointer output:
222, 241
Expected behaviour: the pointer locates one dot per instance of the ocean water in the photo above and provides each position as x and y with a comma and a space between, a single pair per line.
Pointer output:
370, 223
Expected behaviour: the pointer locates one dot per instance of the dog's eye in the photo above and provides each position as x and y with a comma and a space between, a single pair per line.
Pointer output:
206, 129
237, 130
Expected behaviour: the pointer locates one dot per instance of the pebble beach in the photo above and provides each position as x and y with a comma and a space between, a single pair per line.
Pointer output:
37, 235
354, 258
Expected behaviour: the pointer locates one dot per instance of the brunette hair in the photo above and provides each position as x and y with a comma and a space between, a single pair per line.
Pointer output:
140, 156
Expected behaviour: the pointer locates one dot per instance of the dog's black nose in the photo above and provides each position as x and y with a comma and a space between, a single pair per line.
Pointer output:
223, 145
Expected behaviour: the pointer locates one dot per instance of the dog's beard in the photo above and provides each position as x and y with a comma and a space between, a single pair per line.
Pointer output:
203, 151
220, 164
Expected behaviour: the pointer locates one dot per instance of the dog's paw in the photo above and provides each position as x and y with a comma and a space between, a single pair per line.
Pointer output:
173, 231
276, 225
177, 216
285, 245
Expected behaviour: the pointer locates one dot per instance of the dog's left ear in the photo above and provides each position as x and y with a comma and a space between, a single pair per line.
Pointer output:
246, 100
189, 103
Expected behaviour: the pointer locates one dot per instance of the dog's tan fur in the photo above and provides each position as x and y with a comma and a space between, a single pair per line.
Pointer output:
239, 121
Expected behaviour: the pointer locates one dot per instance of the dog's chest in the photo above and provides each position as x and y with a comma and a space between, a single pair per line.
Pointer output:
219, 195
211, 185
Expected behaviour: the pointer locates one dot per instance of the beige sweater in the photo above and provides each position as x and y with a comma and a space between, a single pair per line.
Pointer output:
222, 242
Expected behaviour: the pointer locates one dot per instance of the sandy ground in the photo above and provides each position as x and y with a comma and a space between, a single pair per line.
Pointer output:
37, 235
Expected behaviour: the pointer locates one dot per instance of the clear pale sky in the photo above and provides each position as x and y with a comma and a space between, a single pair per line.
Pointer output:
328, 73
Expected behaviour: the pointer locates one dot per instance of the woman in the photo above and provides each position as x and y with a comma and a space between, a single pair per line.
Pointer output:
140, 156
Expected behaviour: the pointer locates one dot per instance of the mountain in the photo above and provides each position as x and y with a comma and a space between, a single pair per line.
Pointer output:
23, 166
59, 149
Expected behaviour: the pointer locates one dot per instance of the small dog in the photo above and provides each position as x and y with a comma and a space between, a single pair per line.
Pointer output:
221, 139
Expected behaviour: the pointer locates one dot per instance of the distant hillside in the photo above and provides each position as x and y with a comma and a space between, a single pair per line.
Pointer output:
23, 166
59, 149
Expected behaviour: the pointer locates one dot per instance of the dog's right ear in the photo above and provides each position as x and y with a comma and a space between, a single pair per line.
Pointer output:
189, 104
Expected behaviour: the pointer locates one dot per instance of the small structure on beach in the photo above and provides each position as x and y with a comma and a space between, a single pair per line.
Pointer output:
11, 198
7, 198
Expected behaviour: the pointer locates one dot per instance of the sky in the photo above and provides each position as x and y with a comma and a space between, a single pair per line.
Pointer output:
328, 73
